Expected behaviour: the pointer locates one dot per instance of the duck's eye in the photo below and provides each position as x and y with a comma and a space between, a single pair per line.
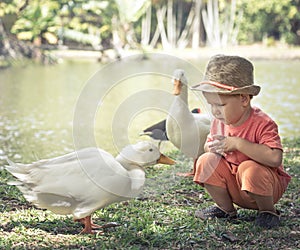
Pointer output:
151, 149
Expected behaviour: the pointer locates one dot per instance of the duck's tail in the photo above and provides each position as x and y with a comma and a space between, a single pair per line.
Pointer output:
17, 170
20, 172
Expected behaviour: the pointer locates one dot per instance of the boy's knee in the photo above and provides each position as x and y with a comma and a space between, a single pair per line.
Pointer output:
255, 178
208, 158
252, 169
206, 168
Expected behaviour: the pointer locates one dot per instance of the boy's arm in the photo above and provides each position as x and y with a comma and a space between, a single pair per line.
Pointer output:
271, 157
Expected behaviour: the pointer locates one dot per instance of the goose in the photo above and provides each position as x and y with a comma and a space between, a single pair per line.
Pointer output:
187, 131
81, 182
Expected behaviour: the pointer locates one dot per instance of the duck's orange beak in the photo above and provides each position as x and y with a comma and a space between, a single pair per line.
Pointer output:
165, 160
177, 87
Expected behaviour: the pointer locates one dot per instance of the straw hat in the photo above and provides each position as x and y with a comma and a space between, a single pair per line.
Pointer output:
228, 75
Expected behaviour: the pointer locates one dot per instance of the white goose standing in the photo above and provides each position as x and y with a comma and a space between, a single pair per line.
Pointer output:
186, 130
84, 181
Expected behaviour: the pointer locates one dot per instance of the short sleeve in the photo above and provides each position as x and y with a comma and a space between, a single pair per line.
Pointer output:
268, 135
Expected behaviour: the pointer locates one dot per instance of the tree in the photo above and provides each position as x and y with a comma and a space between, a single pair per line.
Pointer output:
271, 19
10, 47
221, 23
37, 22
102, 24
188, 23
129, 11
173, 23
86, 23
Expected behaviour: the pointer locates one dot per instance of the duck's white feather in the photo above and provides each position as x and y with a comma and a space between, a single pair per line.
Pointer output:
81, 182
187, 131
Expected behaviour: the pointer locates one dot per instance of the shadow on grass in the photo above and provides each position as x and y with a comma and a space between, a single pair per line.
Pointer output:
158, 220
54, 226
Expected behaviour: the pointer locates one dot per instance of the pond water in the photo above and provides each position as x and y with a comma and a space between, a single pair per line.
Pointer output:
46, 111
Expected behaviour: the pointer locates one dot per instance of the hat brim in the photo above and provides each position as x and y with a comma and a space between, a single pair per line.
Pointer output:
207, 87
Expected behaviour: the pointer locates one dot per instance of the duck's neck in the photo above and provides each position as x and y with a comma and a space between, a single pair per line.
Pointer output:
125, 163
180, 103
183, 96
135, 173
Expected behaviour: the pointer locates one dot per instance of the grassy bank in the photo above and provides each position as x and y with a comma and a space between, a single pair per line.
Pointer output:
162, 218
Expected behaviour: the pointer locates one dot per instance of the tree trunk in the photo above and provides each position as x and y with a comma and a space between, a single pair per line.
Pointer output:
221, 34
146, 27
7, 48
211, 23
171, 24
160, 14
184, 37
196, 25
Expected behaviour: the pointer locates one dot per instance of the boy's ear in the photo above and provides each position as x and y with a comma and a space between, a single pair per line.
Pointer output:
245, 99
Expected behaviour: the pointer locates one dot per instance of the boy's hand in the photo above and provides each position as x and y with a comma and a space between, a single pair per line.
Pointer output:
216, 145
261, 153
222, 144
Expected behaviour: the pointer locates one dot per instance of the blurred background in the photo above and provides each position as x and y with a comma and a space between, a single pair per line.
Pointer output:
50, 49
32, 28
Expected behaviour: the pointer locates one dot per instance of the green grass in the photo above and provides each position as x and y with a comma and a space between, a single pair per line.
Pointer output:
162, 218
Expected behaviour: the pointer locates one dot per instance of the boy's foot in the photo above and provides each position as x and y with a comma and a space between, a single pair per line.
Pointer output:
215, 212
267, 219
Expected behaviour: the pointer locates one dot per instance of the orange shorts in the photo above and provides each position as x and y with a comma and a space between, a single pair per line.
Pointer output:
249, 176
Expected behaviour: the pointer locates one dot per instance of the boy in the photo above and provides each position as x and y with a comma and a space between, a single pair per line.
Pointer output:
243, 160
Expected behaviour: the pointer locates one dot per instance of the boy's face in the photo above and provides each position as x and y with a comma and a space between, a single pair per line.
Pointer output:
230, 109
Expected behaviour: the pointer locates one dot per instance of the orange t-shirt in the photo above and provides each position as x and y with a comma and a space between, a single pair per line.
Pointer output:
258, 128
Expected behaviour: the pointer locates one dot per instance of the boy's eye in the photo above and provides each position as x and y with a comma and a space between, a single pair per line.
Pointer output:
217, 105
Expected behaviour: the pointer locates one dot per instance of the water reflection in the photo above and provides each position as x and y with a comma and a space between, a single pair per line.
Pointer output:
280, 93
37, 105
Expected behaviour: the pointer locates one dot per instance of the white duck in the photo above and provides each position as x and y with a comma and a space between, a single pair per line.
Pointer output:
158, 131
186, 130
84, 181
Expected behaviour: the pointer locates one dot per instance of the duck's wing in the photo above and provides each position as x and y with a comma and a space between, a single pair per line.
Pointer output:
182, 128
188, 131
202, 118
157, 131
203, 122
84, 180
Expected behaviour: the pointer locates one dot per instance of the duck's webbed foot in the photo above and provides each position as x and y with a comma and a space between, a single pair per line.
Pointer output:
89, 225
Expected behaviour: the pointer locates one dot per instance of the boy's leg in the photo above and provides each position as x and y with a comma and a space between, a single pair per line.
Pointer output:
221, 197
264, 203
260, 183
214, 173
263, 186
253, 186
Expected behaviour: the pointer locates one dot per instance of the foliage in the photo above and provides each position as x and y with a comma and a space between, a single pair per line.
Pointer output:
11, 6
37, 20
128, 12
162, 218
270, 18
144, 23
131, 10
79, 21
85, 22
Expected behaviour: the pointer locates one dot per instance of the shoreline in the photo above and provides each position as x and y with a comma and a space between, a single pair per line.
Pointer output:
253, 52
